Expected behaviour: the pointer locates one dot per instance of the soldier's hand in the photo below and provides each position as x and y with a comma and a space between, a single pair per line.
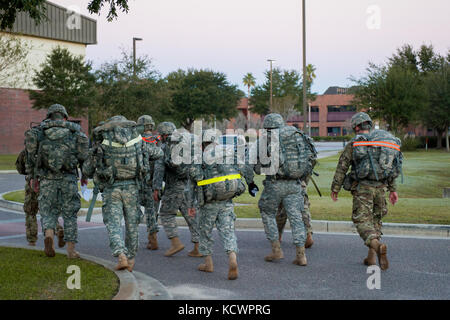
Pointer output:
156, 195
253, 189
334, 196
84, 182
191, 212
34, 185
393, 197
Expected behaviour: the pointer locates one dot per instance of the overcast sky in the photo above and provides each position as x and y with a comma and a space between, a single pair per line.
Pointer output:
238, 36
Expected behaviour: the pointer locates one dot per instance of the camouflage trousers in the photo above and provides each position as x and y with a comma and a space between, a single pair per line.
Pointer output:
221, 214
281, 216
173, 200
369, 207
121, 201
150, 211
60, 198
31, 208
287, 193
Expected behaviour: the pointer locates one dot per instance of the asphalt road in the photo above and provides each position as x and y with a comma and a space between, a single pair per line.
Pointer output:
419, 268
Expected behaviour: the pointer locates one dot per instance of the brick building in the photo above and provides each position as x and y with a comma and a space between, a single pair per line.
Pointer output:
330, 113
63, 28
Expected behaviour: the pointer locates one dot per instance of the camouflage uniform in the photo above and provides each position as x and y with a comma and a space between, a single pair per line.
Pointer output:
121, 197
281, 216
58, 194
369, 198
174, 197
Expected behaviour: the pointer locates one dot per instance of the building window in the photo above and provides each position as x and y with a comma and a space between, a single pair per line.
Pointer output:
314, 109
314, 131
341, 108
334, 131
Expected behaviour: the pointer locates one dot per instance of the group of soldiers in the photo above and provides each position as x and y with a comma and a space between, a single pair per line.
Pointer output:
131, 165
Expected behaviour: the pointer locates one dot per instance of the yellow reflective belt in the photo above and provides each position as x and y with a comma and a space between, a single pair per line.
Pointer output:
119, 145
218, 179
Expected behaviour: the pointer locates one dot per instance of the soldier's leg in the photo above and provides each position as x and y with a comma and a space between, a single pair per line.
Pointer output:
71, 203
294, 214
171, 201
112, 212
131, 213
379, 210
268, 205
48, 204
207, 215
31, 208
281, 219
152, 223
60, 233
306, 217
193, 228
362, 214
225, 226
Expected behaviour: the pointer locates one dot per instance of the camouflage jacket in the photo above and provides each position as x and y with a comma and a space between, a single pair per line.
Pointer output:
345, 162
150, 142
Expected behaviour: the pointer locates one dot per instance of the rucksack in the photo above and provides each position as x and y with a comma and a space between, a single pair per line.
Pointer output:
20, 162
59, 146
377, 156
122, 151
221, 181
298, 154
180, 142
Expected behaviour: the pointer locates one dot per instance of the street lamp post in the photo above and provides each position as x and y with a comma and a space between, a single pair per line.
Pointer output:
270, 60
304, 66
134, 54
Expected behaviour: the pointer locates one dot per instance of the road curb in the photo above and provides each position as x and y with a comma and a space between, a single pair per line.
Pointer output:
128, 286
8, 171
389, 228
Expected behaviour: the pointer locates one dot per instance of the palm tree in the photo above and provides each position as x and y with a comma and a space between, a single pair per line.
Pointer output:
250, 81
310, 75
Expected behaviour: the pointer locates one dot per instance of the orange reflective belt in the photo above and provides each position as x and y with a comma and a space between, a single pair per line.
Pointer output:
377, 144
151, 141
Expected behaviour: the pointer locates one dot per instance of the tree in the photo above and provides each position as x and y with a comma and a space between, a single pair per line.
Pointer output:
65, 79
37, 10
14, 66
286, 84
392, 93
122, 92
249, 81
437, 113
201, 94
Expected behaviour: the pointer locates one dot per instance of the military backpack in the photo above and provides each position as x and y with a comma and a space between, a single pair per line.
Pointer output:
377, 156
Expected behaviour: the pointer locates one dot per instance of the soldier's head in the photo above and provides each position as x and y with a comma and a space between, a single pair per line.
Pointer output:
147, 122
165, 129
117, 118
209, 136
57, 112
273, 121
361, 122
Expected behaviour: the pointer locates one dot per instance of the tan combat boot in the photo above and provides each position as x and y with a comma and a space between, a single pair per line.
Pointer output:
371, 258
71, 253
49, 245
233, 266
300, 258
309, 241
61, 242
381, 250
276, 254
130, 264
176, 246
195, 252
152, 241
122, 263
207, 266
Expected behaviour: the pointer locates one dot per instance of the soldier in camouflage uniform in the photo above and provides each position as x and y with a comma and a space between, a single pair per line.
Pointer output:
31, 206
117, 167
173, 198
55, 157
281, 217
147, 195
219, 213
289, 193
369, 200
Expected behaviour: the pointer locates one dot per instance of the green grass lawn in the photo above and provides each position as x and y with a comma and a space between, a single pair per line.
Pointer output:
8, 161
425, 175
30, 275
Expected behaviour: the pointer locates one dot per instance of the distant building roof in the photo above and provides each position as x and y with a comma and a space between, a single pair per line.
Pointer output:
56, 26
340, 90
